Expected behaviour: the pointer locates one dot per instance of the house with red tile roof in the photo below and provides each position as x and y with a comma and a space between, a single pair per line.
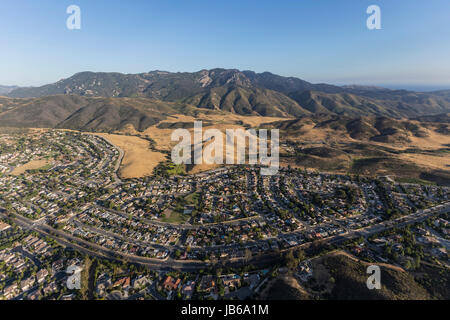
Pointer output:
171, 284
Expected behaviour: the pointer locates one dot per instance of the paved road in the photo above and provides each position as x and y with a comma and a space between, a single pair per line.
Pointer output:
170, 264
118, 163
95, 250
183, 226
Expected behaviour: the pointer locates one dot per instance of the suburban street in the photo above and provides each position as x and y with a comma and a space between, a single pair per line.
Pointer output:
171, 264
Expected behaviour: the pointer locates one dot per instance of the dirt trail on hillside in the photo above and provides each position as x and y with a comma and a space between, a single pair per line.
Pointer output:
348, 255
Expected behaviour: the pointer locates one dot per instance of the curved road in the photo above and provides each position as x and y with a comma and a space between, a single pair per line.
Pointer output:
171, 264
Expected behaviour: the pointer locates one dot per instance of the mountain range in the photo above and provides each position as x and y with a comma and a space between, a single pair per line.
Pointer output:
246, 93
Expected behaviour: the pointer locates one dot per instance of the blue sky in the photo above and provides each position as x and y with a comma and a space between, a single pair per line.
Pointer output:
316, 40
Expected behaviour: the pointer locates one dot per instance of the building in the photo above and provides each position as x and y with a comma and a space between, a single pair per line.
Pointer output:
124, 283
10, 291
41, 275
207, 284
171, 284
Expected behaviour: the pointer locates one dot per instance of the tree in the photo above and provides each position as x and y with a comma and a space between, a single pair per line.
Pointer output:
417, 262
300, 254
247, 255
408, 264
291, 261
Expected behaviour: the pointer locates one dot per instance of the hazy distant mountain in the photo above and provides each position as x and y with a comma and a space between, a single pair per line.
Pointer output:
355, 87
442, 93
248, 93
6, 89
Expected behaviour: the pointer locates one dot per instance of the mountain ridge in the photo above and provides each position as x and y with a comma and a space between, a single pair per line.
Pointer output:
247, 93
6, 89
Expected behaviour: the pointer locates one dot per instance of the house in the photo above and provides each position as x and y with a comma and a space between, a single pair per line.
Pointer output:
35, 295
207, 284
100, 288
171, 284
357, 250
305, 271
232, 280
252, 280
57, 266
50, 288
103, 282
10, 291
68, 297
140, 282
27, 283
188, 289
41, 275
124, 283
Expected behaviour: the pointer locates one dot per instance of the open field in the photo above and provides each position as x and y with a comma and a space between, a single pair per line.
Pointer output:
162, 131
428, 161
138, 160
310, 136
175, 217
322, 147
307, 133
432, 142
33, 164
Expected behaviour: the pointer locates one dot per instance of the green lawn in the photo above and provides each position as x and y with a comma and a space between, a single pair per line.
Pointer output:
175, 217
175, 169
192, 198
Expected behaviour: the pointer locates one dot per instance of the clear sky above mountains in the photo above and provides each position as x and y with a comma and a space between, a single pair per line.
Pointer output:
319, 41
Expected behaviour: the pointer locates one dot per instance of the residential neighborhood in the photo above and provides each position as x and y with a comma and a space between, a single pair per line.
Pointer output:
74, 206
